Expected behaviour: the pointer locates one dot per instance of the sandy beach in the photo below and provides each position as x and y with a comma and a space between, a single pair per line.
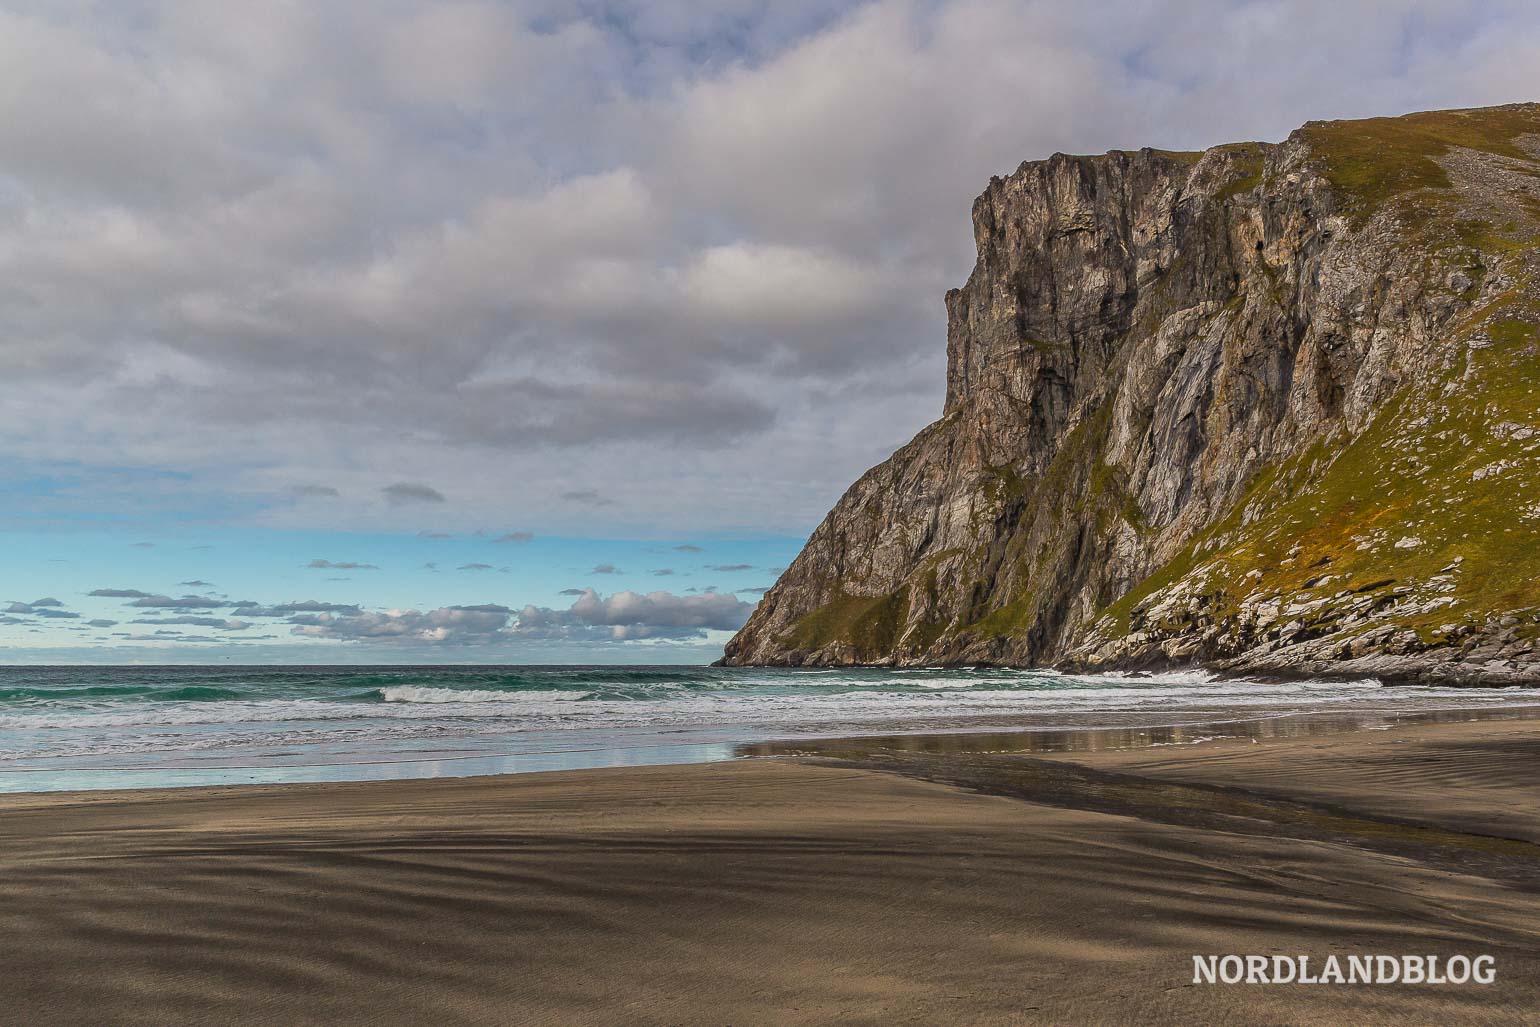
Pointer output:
857, 886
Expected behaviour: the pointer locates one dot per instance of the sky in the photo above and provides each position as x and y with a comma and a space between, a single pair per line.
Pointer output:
397, 331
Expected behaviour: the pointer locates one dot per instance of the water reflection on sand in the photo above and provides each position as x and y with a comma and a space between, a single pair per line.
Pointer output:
1096, 739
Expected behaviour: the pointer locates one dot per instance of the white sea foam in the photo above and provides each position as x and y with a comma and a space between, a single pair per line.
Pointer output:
741, 706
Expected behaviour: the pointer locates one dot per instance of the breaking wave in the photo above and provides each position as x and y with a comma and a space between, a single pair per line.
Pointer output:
178, 720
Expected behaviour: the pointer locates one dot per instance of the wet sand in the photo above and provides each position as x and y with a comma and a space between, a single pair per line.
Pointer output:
865, 884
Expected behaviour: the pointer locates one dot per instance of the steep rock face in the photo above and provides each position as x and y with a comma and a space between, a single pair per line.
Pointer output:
1267, 407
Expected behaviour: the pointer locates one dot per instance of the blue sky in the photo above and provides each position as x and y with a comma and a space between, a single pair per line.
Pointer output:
302, 282
211, 593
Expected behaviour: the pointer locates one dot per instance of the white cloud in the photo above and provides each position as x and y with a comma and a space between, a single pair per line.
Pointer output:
530, 248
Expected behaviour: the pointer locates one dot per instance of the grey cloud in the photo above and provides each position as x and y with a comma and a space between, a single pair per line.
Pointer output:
48, 608
184, 603
588, 497
411, 492
448, 625
315, 491
121, 593
344, 565
142, 545
39, 608
434, 534
606, 568
102, 623
663, 572
730, 567
474, 567
566, 415
202, 622
197, 583
571, 591
250, 609
687, 548
627, 616
515, 536
751, 591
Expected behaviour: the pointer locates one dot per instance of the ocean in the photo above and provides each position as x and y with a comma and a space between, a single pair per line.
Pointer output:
120, 727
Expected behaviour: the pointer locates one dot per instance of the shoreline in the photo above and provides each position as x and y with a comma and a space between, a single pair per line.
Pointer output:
1032, 733
864, 885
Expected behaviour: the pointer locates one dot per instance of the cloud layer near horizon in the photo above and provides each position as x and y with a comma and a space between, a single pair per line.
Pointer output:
624, 616
630, 264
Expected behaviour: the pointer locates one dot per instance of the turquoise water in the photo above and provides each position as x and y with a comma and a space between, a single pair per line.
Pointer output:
114, 727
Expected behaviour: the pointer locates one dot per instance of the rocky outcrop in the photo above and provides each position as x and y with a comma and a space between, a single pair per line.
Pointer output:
1265, 408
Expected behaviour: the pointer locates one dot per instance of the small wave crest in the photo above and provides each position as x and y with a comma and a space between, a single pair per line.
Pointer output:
423, 694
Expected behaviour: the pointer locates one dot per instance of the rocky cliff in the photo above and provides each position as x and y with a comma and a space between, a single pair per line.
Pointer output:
1265, 408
